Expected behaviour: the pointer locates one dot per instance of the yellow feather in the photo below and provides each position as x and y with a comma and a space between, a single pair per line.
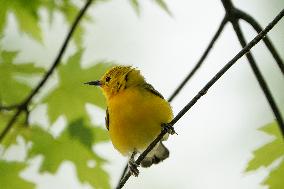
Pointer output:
136, 111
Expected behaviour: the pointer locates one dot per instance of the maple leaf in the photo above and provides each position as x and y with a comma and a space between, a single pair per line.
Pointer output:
9, 175
74, 145
71, 95
12, 90
267, 154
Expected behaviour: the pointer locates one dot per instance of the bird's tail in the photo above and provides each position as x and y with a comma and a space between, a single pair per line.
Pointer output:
157, 155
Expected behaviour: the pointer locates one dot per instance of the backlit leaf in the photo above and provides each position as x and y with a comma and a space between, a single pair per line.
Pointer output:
267, 154
10, 178
136, 6
13, 91
275, 178
71, 95
74, 145
27, 13
17, 128
163, 5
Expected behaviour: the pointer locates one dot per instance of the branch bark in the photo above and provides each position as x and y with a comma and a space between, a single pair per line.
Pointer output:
233, 15
24, 105
201, 60
9, 107
193, 71
250, 20
204, 90
260, 79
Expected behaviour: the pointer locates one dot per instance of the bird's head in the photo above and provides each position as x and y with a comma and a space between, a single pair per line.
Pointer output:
118, 79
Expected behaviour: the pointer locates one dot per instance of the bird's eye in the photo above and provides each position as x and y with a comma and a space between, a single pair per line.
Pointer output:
107, 79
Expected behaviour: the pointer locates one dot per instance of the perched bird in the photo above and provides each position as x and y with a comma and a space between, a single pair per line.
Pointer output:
134, 115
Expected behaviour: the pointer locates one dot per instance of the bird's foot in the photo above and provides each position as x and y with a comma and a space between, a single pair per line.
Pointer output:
133, 167
168, 128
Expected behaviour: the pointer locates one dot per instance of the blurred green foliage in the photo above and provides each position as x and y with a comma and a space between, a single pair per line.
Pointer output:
267, 154
27, 13
9, 175
70, 75
68, 98
75, 143
9, 81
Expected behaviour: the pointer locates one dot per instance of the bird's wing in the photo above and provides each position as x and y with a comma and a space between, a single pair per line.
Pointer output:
151, 89
107, 119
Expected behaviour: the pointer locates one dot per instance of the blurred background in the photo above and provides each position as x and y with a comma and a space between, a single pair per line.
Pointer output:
217, 136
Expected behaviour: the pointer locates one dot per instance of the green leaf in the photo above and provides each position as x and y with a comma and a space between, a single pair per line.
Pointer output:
275, 179
69, 11
71, 95
81, 133
86, 134
12, 91
27, 13
135, 5
162, 4
2, 15
268, 153
17, 128
10, 178
75, 145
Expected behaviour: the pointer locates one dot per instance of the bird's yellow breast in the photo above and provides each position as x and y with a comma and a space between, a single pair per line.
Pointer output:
135, 117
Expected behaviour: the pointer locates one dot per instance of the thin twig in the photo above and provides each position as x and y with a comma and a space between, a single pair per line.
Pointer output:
10, 123
250, 20
203, 91
123, 173
62, 50
201, 60
260, 78
233, 16
9, 107
193, 71
56, 62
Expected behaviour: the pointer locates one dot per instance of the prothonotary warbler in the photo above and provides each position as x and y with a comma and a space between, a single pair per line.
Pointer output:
135, 114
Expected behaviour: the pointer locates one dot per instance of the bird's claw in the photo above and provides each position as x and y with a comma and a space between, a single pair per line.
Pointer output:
133, 167
168, 128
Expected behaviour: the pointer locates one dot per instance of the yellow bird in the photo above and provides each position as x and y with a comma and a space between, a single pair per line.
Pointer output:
134, 115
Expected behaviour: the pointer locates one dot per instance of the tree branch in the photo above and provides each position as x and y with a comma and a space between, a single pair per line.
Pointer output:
201, 60
56, 62
203, 91
250, 20
233, 16
9, 107
193, 71
260, 78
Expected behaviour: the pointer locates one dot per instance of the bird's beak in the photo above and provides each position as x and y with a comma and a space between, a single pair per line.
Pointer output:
96, 83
